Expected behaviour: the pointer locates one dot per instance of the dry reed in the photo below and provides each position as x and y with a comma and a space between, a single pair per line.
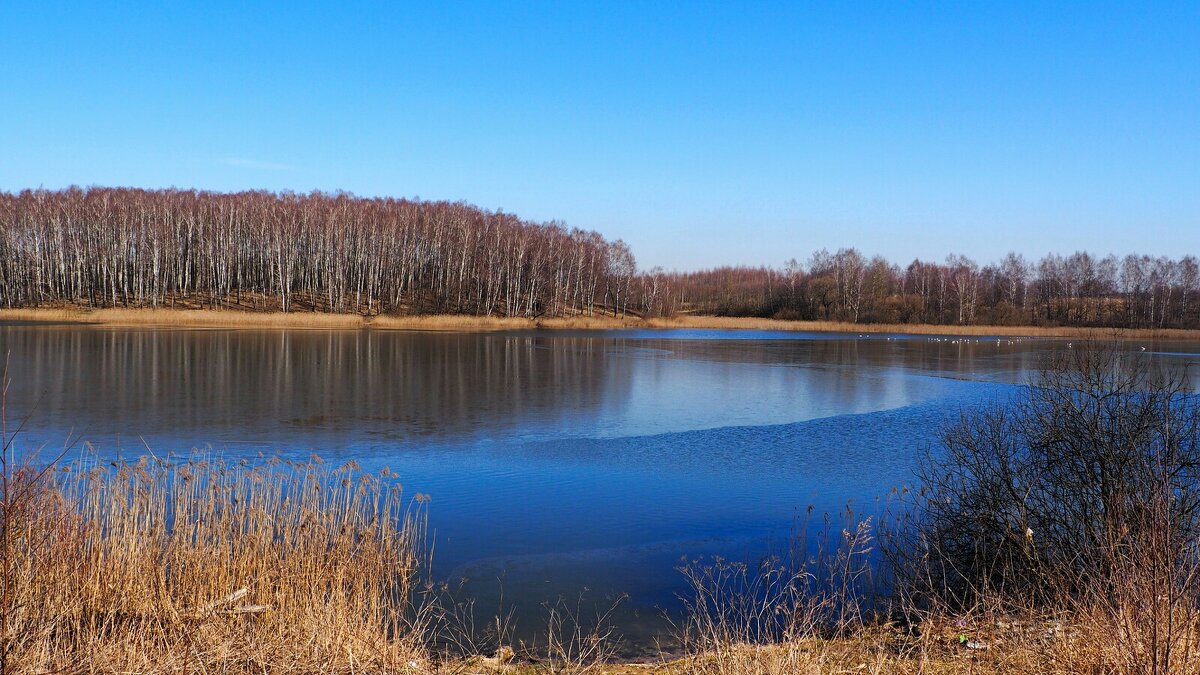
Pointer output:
224, 318
748, 323
211, 566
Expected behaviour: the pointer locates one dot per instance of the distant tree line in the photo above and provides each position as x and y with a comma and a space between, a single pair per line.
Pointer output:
106, 247
117, 247
1135, 291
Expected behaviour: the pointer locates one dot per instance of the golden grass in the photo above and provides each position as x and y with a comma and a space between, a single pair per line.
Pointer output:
881, 650
219, 318
68, 314
209, 318
209, 566
748, 323
214, 318
467, 323
987, 644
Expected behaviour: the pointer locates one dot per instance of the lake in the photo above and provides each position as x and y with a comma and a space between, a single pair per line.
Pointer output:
555, 461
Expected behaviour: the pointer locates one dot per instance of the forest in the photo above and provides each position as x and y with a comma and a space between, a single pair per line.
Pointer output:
1134, 291
335, 252
102, 247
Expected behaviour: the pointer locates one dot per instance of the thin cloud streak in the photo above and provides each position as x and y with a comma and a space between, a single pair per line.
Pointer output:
254, 164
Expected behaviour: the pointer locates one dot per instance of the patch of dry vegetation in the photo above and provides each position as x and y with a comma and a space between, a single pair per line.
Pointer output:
465, 323
230, 318
219, 318
747, 323
191, 318
207, 566
1077, 502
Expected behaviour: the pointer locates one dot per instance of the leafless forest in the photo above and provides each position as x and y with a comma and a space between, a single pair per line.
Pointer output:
1135, 291
105, 247
116, 247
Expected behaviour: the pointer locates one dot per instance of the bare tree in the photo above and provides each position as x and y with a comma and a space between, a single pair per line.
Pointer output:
318, 252
334, 252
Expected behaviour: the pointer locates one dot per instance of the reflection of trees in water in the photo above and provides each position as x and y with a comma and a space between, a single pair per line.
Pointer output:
202, 386
947, 356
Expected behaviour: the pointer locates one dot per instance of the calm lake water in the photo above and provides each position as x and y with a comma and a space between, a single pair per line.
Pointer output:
555, 460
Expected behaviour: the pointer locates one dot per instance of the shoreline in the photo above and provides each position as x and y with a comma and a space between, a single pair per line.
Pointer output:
235, 319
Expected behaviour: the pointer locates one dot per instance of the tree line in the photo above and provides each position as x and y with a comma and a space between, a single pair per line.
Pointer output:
121, 247
1135, 291
106, 247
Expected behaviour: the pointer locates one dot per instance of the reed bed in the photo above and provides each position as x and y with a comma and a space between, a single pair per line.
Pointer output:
210, 566
192, 318
230, 318
221, 318
749, 323
54, 314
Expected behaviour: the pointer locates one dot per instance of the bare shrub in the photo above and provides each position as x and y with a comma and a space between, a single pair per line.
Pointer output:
1081, 499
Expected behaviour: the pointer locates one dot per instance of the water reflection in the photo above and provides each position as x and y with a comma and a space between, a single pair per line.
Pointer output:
315, 388
363, 390
555, 460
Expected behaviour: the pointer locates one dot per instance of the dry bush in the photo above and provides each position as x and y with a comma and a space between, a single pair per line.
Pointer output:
1079, 504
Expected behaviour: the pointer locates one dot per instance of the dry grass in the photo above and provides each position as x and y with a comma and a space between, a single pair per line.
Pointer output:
941, 647
985, 641
449, 322
219, 318
209, 566
222, 318
927, 650
465, 323
192, 318
56, 314
746, 323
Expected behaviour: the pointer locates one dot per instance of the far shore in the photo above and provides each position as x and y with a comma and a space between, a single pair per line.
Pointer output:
217, 318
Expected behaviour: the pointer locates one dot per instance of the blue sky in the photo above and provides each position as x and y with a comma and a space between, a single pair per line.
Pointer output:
701, 133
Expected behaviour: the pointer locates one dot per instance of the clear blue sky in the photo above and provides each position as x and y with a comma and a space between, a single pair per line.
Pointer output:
700, 133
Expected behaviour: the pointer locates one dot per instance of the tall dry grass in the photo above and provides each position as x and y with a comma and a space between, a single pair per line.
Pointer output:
220, 318
768, 618
229, 318
467, 323
209, 566
748, 323
780, 620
